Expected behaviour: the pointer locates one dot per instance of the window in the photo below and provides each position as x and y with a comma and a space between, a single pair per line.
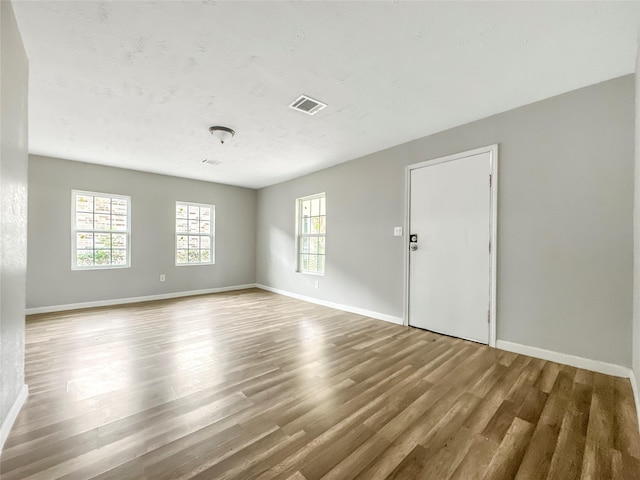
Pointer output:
311, 229
100, 230
194, 233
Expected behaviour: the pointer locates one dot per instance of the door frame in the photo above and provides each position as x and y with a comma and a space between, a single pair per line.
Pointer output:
493, 228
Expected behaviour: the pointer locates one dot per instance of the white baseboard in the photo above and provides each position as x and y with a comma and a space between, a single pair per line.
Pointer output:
12, 415
122, 301
636, 395
574, 361
337, 306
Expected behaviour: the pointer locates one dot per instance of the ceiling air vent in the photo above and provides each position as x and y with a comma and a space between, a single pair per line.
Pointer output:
206, 161
307, 105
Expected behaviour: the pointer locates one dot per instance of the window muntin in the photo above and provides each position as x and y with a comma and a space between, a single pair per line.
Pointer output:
311, 230
100, 230
195, 224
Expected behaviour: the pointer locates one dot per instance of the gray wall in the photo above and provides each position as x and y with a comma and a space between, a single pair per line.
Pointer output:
636, 239
565, 237
50, 280
13, 208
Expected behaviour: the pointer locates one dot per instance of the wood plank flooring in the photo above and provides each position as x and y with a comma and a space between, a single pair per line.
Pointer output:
253, 385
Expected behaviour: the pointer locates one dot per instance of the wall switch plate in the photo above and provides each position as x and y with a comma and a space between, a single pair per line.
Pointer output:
162, 278
317, 284
397, 231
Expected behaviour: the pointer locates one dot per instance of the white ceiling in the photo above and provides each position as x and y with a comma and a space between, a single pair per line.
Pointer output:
136, 84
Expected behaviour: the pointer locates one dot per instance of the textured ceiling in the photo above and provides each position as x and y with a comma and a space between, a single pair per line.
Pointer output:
137, 84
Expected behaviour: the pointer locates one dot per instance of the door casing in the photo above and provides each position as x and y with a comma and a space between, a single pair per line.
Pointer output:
493, 229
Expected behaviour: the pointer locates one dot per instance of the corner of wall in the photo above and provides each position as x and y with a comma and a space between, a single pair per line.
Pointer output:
12, 415
13, 217
635, 376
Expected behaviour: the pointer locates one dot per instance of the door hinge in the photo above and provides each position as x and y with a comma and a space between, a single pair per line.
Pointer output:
489, 181
489, 316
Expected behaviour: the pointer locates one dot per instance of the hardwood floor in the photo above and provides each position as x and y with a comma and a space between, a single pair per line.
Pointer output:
252, 385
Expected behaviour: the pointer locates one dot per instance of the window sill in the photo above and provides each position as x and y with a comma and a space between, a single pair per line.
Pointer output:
195, 264
108, 267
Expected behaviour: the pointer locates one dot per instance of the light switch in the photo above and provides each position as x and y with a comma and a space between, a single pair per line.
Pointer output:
397, 231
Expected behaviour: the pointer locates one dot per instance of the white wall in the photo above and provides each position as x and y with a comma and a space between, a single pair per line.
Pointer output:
13, 216
565, 258
50, 280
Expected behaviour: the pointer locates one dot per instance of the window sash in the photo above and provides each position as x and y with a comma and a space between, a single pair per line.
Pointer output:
85, 258
192, 219
311, 225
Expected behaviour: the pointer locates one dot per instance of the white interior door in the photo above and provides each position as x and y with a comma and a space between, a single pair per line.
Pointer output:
450, 269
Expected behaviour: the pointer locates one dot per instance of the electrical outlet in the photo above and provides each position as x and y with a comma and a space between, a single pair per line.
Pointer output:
317, 284
397, 231
162, 278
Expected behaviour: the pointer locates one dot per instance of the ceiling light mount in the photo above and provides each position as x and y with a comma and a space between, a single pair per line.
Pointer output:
223, 134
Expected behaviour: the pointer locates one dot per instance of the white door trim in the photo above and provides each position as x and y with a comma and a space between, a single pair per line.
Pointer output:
493, 229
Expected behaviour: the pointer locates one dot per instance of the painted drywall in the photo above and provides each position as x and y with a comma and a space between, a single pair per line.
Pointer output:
565, 240
134, 86
635, 377
50, 280
13, 211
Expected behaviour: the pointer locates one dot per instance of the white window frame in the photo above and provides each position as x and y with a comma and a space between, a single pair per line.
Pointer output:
211, 234
75, 231
300, 235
